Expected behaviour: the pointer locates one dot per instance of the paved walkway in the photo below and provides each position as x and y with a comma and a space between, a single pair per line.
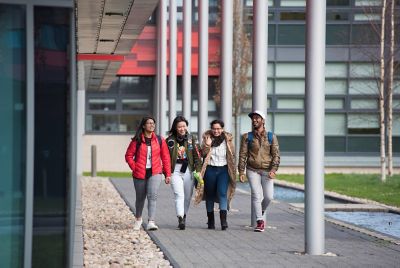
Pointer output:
239, 246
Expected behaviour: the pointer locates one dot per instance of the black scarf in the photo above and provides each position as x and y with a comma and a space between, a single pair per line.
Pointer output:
181, 139
216, 141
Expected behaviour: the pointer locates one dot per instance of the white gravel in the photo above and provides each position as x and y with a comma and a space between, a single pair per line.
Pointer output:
108, 236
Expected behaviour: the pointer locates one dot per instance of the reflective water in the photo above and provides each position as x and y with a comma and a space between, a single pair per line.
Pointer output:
387, 223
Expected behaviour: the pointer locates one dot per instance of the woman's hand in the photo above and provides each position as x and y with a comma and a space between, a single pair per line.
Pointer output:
241, 178
208, 141
167, 180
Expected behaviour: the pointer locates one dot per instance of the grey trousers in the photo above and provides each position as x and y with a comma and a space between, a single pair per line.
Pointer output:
147, 188
262, 191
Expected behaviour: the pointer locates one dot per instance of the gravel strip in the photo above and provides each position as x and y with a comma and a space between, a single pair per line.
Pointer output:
109, 239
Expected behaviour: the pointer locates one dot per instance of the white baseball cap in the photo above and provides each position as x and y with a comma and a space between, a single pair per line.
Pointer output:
257, 112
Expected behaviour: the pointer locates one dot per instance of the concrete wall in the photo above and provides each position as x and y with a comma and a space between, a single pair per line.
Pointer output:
110, 152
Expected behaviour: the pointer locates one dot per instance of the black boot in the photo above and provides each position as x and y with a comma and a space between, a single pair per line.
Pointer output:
211, 220
181, 223
222, 216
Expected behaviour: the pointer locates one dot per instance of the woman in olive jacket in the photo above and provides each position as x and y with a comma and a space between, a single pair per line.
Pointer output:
185, 159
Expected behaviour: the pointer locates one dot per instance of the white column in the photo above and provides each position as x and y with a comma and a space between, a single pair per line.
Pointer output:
203, 67
187, 55
314, 127
260, 54
226, 63
162, 66
172, 60
260, 63
80, 116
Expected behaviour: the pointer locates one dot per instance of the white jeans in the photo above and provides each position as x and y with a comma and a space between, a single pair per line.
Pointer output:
262, 191
182, 186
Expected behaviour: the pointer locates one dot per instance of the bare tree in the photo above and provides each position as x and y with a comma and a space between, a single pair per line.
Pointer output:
382, 93
390, 91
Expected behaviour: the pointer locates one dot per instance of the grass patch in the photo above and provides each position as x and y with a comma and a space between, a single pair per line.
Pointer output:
110, 174
366, 186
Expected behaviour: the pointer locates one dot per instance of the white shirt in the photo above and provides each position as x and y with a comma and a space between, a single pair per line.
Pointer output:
218, 155
148, 158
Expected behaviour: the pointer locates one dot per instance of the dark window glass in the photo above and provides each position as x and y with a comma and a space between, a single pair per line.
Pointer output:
271, 34
291, 143
291, 35
337, 35
337, 16
396, 144
293, 16
335, 144
136, 84
135, 104
337, 2
363, 144
51, 136
12, 134
129, 123
364, 131
364, 34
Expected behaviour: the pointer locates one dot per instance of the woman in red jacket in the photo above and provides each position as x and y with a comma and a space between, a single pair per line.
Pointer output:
148, 157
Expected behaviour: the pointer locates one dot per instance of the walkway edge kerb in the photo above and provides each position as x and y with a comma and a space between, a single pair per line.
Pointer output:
335, 195
167, 254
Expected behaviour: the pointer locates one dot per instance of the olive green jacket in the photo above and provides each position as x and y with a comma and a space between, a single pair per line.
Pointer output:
261, 156
192, 152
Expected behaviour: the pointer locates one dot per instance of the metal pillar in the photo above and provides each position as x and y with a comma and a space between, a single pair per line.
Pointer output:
203, 67
226, 63
172, 60
162, 66
80, 116
187, 54
314, 127
260, 63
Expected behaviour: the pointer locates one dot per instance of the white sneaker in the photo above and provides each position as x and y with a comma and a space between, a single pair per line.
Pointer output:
151, 226
137, 225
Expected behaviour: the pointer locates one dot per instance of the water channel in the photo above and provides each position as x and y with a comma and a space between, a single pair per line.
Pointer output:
383, 222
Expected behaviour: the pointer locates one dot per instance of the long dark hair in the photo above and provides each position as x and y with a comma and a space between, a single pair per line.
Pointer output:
139, 130
177, 120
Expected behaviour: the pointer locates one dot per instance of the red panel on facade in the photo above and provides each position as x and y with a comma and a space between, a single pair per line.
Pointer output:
143, 57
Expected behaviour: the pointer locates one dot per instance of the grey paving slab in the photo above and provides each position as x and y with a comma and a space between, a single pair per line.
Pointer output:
239, 246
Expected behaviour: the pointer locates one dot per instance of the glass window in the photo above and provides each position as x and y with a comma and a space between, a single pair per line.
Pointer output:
271, 34
363, 144
293, 16
335, 87
135, 104
364, 70
290, 104
293, 3
290, 70
335, 144
52, 136
129, 122
337, 34
396, 125
290, 87
364, 34
291, 144
363, 87
102, 123
337, 16
102, 104
335, 70
289, 124
367, 17
363, 124
337, 2
12, 134
249, 3
211, 106
364, 104
334, 103
291, 34
136, 84
396, 104
270, 86
360, 3
335, 124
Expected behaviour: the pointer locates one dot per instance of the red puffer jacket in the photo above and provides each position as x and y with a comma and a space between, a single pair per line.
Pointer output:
160, 160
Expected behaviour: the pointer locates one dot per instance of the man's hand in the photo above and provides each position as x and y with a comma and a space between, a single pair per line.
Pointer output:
241, 178
271, 174
167, 180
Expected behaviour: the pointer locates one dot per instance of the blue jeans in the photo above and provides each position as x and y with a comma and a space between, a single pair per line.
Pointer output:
216, 181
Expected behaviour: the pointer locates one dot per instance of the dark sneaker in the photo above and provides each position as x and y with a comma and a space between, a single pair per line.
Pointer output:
260, 226
181, 223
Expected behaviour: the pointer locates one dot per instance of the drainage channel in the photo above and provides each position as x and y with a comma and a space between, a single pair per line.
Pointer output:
373, 217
